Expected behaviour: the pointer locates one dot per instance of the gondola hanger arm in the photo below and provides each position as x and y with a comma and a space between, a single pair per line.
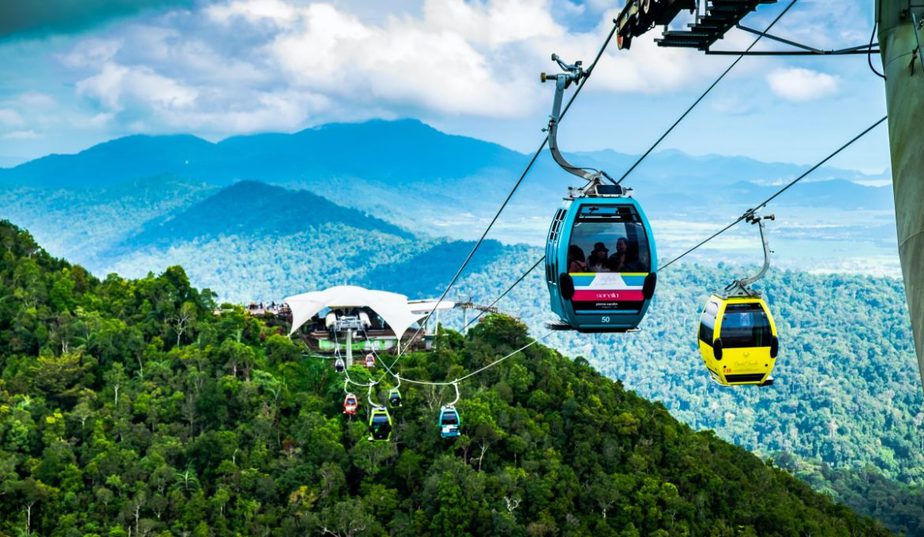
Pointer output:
572, 73
456, 400
372, 403
743, 285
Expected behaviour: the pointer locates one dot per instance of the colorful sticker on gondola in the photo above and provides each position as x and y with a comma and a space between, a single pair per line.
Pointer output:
610, 291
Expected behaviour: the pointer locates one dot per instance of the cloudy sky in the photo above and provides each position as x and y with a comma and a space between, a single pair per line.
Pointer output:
73, 74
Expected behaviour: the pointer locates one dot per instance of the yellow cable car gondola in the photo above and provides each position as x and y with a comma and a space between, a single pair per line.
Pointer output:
737, 335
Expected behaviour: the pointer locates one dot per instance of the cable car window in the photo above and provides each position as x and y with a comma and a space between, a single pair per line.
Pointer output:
745, 325
608, 238
380, 420
556, 225
450, 418
707, 327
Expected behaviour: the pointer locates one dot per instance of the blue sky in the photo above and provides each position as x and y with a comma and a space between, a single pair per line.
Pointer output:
70, 79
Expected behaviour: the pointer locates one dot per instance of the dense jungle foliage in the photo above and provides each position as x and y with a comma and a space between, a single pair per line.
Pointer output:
138, 407
847, 404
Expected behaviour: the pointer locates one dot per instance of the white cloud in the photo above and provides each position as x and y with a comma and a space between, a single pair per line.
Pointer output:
20, 135
253, 11
34, 99
244, 65
10, 118
91, 52
800, 85
116, 85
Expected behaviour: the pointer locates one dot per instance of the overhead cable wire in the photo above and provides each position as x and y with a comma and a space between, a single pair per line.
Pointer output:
764, 203
703, 96
869, 52
502, 295
516, 185
729, 226
473, 373
657, 142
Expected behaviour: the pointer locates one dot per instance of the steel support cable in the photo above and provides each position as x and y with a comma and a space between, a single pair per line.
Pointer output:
764, 203
516, 185
502, 295
362, 384
703, 96
658, 141
729, 226
473, 373
869, 52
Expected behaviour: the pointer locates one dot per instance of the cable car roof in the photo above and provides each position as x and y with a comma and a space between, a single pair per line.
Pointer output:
395, 308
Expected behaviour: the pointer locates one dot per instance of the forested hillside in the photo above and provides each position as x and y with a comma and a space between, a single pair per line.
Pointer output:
254, 210
84, 223
132, 407
847, 402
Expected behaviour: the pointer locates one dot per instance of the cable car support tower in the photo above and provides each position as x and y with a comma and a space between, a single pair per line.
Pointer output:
900, 38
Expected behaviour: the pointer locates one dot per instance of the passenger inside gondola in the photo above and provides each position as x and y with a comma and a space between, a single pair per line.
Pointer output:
576, 260
598, 261
630, 247
617, 261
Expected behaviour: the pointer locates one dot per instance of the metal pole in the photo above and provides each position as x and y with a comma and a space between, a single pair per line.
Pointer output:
349, 346
898, 43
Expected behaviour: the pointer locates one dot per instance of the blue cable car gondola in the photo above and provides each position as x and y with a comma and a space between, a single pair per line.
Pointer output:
600, 260
450, 422
600, 255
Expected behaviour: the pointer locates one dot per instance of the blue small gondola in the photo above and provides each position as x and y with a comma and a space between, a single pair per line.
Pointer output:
600, 257
450, 422
600, 262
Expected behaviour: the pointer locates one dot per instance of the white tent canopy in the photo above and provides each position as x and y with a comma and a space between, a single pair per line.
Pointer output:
394, 308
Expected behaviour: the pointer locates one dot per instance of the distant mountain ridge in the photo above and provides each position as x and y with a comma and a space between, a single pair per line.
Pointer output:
406, 149
383, 150
254, 209
352, 157
413, 177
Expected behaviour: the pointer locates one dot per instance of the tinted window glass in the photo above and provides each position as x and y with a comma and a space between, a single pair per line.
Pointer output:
380, 420
706, 327
450, 418
745, 325
608, 238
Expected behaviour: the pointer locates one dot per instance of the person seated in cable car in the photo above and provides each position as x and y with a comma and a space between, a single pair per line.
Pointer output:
633, 263
617, 261
598, 259
576, 260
